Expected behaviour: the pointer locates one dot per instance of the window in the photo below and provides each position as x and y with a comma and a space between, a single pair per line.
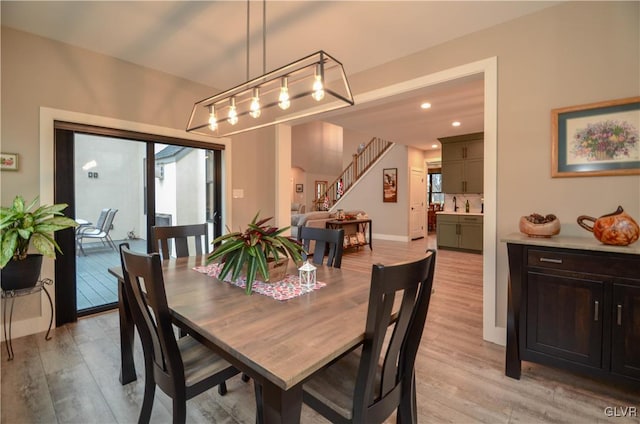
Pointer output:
434, 183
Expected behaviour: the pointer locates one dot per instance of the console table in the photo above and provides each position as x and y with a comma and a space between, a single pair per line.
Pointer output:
572, 303
11, 295
361, 225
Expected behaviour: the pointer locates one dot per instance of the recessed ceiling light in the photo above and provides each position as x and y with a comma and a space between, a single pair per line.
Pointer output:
434, 146
425, 105
455, 124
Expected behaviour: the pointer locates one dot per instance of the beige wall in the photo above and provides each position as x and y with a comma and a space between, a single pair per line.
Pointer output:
254, 173
40, 72
390, 220
574, 53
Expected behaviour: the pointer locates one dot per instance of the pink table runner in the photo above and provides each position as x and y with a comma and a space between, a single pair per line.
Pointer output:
286, 289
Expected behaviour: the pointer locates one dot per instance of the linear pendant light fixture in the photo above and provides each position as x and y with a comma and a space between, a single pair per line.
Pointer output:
309, 86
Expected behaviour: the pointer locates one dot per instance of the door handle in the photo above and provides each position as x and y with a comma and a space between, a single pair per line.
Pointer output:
596, 311
619, 320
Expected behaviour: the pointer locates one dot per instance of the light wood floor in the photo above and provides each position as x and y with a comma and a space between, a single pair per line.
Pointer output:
73, 378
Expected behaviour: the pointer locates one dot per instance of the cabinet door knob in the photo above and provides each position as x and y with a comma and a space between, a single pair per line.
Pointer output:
596, 311
619, 320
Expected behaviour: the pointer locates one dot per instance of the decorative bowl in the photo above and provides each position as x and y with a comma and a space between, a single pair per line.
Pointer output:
546, 227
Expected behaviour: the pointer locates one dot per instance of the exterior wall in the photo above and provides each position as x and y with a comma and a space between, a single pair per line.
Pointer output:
190, 200
114, 188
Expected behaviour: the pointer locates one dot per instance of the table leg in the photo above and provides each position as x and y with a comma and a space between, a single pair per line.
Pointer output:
281, 406
128, 367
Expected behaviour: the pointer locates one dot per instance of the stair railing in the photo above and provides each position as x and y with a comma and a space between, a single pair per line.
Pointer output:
361, 162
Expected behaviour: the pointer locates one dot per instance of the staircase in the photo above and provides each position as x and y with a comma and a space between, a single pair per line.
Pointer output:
361, 162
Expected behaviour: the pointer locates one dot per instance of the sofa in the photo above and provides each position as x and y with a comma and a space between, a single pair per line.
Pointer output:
316, 219
297, 208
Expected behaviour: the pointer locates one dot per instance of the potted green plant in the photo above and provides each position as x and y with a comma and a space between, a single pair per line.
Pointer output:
24, 226
253, 250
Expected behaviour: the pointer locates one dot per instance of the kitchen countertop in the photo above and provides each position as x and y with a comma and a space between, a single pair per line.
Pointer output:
459, 213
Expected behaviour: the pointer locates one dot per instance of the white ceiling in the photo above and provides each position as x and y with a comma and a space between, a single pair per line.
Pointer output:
205, 41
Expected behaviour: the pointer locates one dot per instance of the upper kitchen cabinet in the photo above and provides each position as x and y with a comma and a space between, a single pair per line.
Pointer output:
463, 163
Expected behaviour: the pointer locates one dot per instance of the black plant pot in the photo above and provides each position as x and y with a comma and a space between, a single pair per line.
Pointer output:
23, 274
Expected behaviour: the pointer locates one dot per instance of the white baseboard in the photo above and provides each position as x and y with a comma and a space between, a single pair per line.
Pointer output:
389, 237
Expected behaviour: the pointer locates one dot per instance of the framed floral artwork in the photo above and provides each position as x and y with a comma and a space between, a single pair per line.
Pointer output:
596, 139
9, 161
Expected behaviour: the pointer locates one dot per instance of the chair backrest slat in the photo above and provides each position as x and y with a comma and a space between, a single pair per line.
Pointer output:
328, 241
378, 391
106, 225
103, 216
181, 235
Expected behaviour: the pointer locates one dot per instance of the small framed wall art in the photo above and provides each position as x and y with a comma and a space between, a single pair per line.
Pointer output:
9, 161
390, 185
596, 139
299, 188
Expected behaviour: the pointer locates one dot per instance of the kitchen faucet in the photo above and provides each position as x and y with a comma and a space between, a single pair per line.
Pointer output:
455, 205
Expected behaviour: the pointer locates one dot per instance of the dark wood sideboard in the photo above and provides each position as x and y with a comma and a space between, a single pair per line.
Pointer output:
574, 303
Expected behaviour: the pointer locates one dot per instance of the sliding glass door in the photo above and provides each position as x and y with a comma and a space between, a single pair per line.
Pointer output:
118, 186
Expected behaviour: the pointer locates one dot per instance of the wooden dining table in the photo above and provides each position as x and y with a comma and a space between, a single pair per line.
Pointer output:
280, 344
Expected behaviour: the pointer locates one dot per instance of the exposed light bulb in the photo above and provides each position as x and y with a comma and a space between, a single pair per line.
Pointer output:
283, 98
213, 122
318, 86
254, 108
233, 114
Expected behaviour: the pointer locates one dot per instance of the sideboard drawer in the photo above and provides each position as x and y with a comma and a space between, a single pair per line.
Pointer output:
554, 259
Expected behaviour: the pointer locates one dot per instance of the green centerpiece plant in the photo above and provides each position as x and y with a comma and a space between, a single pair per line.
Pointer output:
252, 250
24, 226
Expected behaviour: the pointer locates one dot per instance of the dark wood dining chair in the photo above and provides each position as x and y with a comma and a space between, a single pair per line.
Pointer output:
327, 241
369, 383
182, 368
181, 235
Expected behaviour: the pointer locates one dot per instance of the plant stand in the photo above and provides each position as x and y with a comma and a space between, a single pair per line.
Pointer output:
11, 296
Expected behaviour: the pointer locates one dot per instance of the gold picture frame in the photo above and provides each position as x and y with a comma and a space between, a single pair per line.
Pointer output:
596, 139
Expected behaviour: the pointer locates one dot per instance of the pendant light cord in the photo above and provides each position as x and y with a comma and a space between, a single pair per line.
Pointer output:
264, 36
248, 17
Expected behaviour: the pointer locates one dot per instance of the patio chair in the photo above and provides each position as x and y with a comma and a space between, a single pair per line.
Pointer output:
98, 232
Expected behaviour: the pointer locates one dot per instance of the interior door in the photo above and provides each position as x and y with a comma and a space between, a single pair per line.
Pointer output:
417, 201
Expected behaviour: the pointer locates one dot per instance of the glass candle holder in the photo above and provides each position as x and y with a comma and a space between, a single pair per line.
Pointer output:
307, 275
